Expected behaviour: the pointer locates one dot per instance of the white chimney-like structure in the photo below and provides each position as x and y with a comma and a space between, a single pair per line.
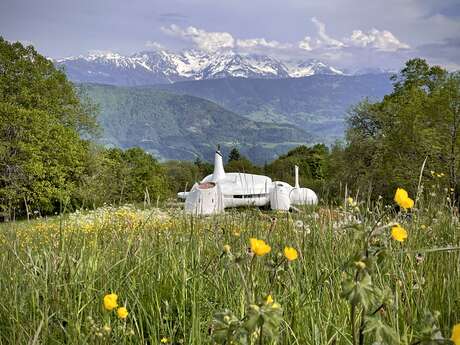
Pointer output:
219, 172
296, 169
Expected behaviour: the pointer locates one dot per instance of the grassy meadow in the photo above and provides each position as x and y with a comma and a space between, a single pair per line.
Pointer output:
192, 280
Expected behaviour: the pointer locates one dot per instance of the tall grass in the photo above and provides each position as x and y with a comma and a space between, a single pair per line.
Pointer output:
172, 274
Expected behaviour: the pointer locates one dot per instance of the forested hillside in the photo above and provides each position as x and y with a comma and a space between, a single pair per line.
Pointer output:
317, 104
174, 126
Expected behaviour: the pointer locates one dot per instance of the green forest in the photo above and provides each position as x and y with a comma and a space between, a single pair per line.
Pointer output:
50, 160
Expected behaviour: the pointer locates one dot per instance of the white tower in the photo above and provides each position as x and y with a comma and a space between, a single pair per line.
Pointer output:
296, 169
218, 173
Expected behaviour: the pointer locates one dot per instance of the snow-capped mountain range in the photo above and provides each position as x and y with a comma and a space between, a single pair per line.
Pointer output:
161, 67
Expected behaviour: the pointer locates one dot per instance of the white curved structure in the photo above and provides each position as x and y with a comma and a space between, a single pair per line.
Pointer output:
221, 190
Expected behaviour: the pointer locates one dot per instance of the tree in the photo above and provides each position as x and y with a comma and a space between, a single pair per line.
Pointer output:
388, 141
30, 81
40, 159
446, 105
205, 168
234, 155
312, 163
144, 175
182, 175
41, 119
116, 177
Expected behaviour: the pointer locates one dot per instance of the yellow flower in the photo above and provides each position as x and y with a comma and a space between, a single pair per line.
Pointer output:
164, 340
360, 264
290, 253
402, 199
110, 301
276, 306
398, 233
259, 247
227, 248
269, 299
351, 202
456, 334
122, 313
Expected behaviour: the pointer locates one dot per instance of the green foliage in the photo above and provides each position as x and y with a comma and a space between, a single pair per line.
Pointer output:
41, 117
260, 325
182, 175
243, 165
30, 81
115, 176
239, 163
312, 162
388, 141
204, 167
234, 155
40, 160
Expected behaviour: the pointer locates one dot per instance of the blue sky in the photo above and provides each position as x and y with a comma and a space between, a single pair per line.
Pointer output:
345, 33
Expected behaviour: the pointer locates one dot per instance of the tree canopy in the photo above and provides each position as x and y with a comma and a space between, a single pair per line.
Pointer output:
388, 141
42, 117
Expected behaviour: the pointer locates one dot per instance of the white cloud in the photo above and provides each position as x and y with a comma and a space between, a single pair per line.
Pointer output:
154, 45
380, 40
324, 37
261, 43
360, 47
208, 41
305, 44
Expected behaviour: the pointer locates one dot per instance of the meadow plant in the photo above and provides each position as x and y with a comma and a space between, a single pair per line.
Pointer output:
356, 273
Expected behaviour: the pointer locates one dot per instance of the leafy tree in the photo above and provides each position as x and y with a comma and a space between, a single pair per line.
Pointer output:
144, 175
29, 80
388, 141
242, 165
115, 176
205, 168
41, 117
182, 175
40, 159
312, 163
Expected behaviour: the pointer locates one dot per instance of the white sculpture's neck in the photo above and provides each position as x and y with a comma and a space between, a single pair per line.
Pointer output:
219, 172
296, 168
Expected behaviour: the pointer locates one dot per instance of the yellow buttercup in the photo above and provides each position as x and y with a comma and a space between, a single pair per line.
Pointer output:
402, 199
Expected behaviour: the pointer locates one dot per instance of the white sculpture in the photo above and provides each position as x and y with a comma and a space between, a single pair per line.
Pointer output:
222, 190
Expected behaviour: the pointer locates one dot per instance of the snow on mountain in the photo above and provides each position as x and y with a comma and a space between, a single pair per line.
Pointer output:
161, 66
310, 67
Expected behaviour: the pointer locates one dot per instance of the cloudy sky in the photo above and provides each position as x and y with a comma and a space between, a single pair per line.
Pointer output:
345, 33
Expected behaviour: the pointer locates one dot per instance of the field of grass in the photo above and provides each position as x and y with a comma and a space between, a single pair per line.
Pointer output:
191, 280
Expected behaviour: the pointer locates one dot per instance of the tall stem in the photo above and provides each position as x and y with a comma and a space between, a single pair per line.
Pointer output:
361, 328
261, 332
352, 317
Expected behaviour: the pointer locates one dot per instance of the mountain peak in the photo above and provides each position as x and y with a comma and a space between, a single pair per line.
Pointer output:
162, 66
